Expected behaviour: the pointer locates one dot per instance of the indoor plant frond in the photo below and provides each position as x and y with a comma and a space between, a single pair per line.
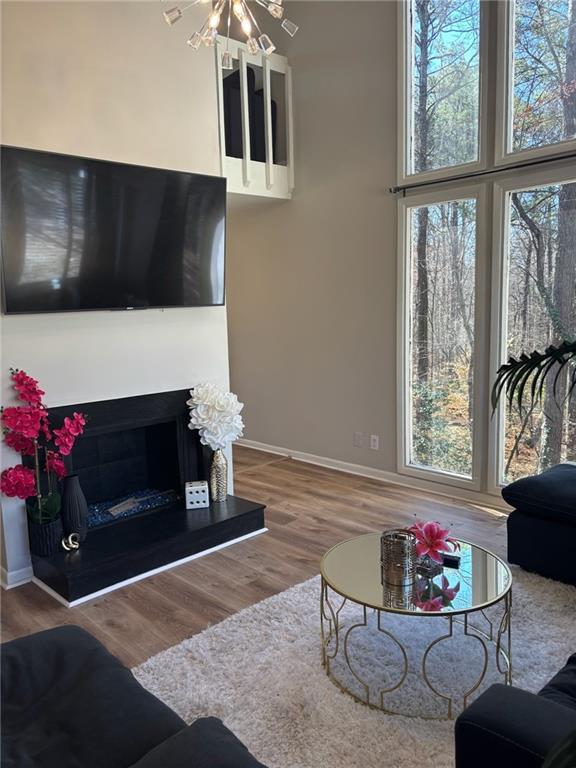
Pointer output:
528, 374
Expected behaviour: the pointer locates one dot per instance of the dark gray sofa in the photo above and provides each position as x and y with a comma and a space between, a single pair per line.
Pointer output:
68, 703
507, 727
542, 527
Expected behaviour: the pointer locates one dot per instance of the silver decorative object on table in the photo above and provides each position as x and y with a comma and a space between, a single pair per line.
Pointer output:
428, 568
400, 598
219, 476
398, 557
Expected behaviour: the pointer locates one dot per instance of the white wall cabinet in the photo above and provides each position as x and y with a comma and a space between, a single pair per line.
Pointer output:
255, 122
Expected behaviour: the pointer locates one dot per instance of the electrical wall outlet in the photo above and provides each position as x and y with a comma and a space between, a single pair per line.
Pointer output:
375, 442
358, 440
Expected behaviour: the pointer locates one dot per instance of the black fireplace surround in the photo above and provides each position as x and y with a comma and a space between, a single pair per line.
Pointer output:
131, 445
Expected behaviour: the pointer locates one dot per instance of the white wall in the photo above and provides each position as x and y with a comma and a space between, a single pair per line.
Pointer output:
312, 281
108, 80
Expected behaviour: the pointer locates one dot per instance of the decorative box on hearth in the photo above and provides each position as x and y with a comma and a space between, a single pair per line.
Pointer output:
197, 495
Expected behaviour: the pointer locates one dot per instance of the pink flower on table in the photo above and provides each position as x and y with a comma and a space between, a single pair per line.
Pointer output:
72, 428
448, 591
433, 540
19, 443
55, 463
24, 419
27, 388
18, 481
434, 604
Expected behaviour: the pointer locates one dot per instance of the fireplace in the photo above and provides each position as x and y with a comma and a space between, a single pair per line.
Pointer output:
136, 448
139, 450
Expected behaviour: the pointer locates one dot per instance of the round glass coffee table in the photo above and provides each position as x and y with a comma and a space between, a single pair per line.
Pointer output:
459, 597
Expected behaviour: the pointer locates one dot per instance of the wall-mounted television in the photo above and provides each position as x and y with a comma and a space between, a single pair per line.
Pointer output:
81, 234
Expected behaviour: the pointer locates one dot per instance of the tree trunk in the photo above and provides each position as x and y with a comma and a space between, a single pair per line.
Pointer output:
526, 297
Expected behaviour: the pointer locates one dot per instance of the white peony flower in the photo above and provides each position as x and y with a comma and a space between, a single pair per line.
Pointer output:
216, 415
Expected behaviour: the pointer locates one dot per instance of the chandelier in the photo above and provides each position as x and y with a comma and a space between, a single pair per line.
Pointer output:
222, 12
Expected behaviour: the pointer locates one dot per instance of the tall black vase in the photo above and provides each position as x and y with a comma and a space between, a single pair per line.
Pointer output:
74, 507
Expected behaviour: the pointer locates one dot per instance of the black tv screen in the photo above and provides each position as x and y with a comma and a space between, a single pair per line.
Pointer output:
82, 234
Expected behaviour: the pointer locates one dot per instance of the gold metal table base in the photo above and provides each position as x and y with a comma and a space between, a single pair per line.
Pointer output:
336, 645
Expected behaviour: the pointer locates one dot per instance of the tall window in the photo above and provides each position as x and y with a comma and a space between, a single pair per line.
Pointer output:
540, 310
445, 86
443, 266
476, 285
544, 73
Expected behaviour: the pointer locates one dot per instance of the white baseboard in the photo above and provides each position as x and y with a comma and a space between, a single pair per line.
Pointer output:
395, 478
11, 579
134, 579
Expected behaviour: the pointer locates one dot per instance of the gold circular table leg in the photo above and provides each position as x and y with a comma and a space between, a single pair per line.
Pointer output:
333, 646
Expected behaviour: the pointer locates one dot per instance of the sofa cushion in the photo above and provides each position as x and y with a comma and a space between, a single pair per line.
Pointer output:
562, 687
551, 494
69, 703
207, 743
542, 546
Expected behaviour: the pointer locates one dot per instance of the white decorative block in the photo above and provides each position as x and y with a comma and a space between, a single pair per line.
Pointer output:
197, 495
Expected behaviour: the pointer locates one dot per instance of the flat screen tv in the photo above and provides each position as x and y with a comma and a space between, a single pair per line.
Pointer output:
81, 234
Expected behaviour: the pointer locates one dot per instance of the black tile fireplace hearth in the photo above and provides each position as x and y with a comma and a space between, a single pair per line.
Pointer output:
140, 446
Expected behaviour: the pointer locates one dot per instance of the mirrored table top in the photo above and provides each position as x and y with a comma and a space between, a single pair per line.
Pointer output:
353, 570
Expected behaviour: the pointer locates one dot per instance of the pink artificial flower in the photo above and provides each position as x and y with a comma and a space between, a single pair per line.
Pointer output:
45, 427
24, 419
64, 440
71, 429
76, 424
434, 604
55, 463
18, 481
27, 388
448, 591
432, 540
19, 443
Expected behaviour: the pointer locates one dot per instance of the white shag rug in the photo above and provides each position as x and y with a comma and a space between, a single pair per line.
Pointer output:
260, 672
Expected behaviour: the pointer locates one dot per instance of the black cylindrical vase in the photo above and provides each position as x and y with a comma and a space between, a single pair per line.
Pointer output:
74, 507
45, 538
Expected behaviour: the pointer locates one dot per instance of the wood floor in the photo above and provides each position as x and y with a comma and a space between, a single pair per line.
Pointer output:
308, 510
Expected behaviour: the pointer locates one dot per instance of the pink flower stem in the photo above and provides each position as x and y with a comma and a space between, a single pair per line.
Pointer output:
48, 472
37, 469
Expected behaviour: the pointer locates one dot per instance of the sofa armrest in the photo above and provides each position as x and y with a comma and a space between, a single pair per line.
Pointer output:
206, 743
507, 726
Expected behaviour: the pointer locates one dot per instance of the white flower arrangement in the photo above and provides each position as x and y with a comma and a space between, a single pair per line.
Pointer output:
216, 415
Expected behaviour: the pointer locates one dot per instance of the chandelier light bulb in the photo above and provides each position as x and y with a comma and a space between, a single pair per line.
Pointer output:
214, 20
275, 10
266, 44
252, 45
238, 9
209, 37
195, 40
172, 16
290, 27
246, 26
